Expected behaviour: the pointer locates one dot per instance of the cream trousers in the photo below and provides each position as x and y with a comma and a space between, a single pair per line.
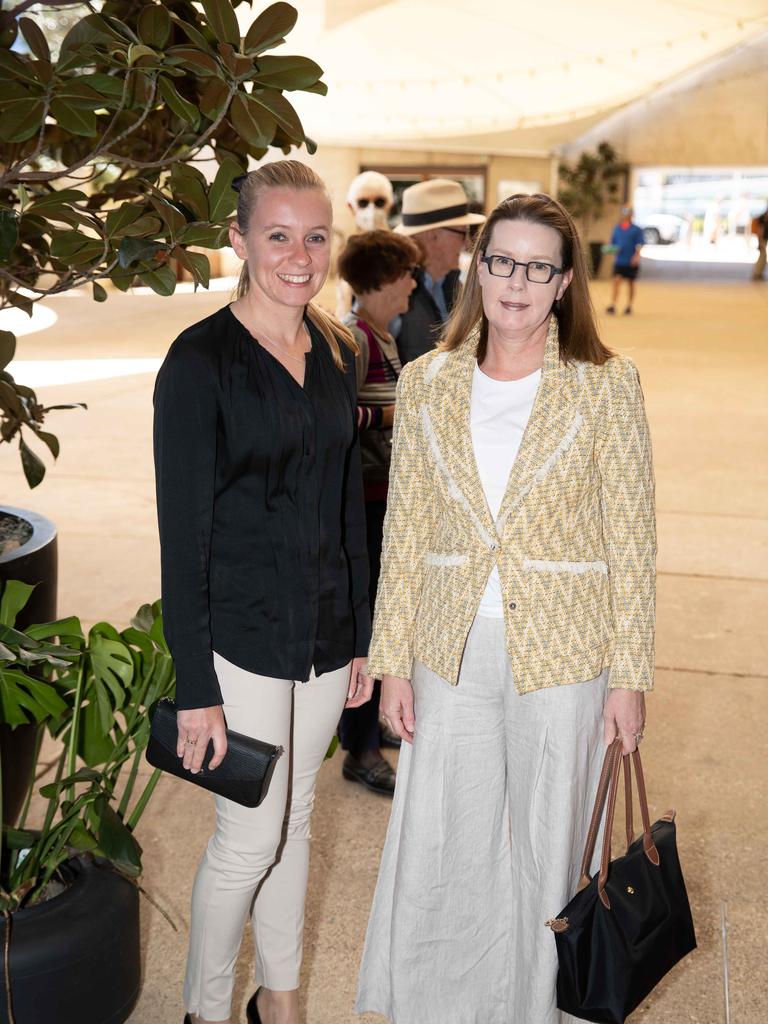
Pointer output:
488, 823
261, 852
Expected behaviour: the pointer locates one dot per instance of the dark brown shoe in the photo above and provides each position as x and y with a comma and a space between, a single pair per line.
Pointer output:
379, 777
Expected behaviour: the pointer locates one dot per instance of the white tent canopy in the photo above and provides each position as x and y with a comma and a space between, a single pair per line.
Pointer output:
410, 71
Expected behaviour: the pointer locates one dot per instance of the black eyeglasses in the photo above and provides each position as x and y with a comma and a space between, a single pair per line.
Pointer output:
379, 202
536, 271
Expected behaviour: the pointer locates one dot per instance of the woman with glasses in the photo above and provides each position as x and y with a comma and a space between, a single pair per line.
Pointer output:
514, 627
380, 268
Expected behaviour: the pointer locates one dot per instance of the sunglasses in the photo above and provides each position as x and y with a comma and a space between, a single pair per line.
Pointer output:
379, 202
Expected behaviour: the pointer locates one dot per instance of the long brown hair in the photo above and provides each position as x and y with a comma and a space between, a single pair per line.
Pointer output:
576, 317
294, 175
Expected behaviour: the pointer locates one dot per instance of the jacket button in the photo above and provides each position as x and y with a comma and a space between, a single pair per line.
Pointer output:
494, 546
512, 605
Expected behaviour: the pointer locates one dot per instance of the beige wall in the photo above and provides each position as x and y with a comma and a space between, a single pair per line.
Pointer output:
716, 116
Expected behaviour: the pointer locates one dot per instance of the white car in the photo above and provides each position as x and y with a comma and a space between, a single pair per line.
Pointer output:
663, 228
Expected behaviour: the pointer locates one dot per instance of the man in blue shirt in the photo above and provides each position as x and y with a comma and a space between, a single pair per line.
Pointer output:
626, 242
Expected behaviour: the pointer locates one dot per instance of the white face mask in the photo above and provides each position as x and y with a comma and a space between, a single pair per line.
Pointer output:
370, 217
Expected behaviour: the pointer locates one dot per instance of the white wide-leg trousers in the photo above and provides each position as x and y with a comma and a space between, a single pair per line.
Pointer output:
261, 851
485, 841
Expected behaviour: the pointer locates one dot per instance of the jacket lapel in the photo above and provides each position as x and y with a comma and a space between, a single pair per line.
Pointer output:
553, 420
448, 408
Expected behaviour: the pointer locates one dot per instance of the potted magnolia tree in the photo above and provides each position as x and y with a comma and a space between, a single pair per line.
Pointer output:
98, 130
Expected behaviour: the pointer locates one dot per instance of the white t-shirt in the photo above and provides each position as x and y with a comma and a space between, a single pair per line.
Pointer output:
499, 414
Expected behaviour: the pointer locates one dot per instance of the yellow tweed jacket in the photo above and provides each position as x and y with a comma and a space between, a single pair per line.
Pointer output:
575, 539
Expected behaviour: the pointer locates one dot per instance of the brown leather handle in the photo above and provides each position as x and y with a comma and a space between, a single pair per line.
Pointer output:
648, 845
597, 811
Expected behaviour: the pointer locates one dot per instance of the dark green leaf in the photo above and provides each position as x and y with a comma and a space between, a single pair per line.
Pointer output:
182, 108
96, 745
222, 198
21, 120
92, 29
7, 348
15, 597
173, 219
99, 295
252, 121
196, 263
205, 236
81, 839
189, 187
132, 250
287, 72
110, 86
115, 839
214, 97
18, 839
74, 119
50, 439
193, 61
35, 38
66, 244
282, 111
154, 26
221, 16
193, 34
66, 629
20, 301
117, 220
143, 227
270, 27
33, 466
162, 281
9, 232
319, 87
14, 68
76, 93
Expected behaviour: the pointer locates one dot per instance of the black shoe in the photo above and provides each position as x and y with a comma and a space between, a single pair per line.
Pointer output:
379, 778
628, 311
252, 1010
610, 309
187, 1019
387, 738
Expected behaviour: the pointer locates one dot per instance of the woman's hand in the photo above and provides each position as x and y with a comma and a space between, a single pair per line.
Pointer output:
397, 706
196, 727
624, 716
360, 684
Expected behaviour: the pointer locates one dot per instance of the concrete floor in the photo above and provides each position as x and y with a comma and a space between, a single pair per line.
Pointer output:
701, 350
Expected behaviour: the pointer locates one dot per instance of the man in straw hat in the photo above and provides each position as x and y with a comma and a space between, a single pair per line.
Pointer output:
436, 213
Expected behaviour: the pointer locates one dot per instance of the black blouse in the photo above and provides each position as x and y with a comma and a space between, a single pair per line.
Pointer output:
260, 507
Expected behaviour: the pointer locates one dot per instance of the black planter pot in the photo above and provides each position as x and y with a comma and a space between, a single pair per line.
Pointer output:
75, 959
36, 562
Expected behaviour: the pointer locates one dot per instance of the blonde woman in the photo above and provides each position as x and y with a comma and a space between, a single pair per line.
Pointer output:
513, 630
265, 572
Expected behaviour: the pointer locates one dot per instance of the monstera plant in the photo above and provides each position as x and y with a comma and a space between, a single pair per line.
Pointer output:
97, 148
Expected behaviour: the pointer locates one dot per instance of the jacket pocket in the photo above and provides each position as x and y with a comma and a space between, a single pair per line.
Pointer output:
435, 558
575, 568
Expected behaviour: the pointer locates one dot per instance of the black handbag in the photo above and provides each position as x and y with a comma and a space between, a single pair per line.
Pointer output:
244, 774
631, 923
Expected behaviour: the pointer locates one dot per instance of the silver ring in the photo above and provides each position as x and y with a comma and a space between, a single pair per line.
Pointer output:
638, 737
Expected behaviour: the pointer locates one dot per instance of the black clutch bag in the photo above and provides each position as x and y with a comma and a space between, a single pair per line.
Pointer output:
631, 923
244, 774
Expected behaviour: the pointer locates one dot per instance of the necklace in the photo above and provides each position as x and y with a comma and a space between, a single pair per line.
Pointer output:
284, 350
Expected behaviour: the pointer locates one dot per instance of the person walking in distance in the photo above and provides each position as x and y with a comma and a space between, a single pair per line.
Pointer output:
626, 242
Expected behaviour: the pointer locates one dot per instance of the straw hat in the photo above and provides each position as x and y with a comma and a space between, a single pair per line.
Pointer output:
435, 203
